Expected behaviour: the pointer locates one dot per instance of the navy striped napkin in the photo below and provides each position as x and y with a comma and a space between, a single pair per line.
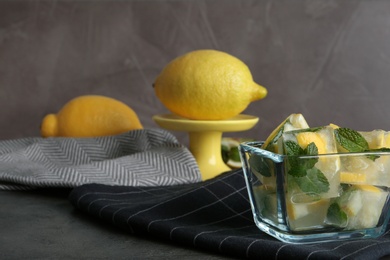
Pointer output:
212, 215
146, 157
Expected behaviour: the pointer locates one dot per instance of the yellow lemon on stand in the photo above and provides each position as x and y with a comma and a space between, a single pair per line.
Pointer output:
207, 85
89, 116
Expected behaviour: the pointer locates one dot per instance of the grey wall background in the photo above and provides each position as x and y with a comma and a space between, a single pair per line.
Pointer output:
329, 60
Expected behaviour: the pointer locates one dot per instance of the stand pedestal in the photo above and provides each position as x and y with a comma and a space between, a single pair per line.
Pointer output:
205, 138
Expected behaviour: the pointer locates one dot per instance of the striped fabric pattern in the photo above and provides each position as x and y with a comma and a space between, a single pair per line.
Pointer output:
212, 215
147, 157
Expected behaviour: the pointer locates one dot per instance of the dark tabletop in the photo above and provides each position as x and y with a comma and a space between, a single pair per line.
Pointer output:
44, 225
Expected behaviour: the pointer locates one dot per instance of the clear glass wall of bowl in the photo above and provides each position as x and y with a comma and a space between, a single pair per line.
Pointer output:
306, 199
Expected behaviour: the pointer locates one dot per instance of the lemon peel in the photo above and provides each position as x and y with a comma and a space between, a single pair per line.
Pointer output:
207, 85
89, 116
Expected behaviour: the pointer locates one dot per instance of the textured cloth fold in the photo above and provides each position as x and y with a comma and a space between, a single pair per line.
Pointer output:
212, 215
146, 157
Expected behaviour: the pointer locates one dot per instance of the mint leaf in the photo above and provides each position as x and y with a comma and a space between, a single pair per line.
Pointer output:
311, 149
313, 129
225, 153
292, 148
299, 166
336, 215
351, 140
234, 154
383, 149
308, 178
373, 156
297, 170
230, 153
314, 181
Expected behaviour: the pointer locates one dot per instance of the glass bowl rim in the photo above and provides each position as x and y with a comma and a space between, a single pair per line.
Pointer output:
250, 146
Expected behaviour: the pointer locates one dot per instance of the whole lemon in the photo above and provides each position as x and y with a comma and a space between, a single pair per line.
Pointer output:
207, 85
89, 116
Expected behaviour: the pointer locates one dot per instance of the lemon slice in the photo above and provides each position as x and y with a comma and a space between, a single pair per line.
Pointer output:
352, 177
299, 210
306, 213
305, 138
230, 152
334, 126
369, 188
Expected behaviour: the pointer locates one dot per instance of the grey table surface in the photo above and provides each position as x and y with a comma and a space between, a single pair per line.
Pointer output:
44, 225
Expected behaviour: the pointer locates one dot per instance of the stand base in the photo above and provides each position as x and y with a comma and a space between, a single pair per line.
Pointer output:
205, 138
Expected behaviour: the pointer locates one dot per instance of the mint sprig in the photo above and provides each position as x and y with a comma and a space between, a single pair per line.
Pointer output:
354, 142
299, 166
308, 178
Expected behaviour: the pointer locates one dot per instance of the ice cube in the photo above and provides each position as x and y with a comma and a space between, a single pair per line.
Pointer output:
306, 211
292, 122
363, 205
328, 165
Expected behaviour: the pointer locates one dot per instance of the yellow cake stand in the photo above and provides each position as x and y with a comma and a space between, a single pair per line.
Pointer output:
205, 138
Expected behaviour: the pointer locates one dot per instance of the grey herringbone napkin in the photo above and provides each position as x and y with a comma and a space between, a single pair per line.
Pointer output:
147, 157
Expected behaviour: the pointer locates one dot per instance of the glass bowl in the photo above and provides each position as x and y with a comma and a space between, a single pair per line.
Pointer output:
309, 199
